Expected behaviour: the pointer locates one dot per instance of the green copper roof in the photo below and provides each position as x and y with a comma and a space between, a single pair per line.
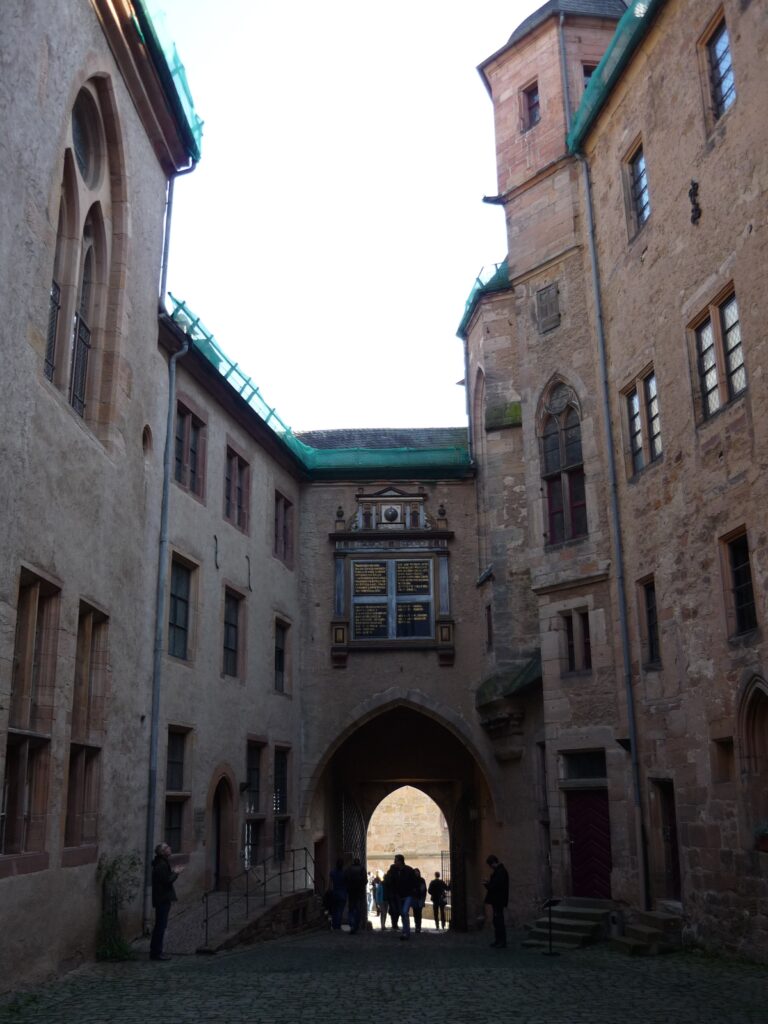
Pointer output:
494, 278
630, 31
151, 24
431, 454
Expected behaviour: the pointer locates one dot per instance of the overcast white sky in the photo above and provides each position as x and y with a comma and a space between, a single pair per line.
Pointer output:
334, 227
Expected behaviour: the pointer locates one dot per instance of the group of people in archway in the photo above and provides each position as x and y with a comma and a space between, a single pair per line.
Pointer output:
395, 894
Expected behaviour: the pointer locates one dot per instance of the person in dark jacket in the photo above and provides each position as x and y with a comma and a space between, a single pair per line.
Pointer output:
402, 885
355, 879
163, 895
438, 893
338, 894
419, 899
497, 896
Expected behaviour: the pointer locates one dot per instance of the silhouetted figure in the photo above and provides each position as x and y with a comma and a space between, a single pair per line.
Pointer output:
356, 880
338, 894
402, 884
419, 899
497, 895
438, 893
163, 895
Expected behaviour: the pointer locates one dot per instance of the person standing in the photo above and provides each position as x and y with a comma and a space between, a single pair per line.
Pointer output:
338, 894
163, 895
419, 899
355, 879
497, 896
402, 886
438, 893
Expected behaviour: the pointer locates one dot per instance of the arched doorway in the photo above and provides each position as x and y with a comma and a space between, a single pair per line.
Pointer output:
221, 866
404, 746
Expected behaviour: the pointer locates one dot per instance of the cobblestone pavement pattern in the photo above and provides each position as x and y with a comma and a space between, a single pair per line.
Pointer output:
332, 978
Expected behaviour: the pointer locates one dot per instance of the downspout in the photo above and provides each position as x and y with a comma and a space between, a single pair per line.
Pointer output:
618, 546
167, 232
157, 662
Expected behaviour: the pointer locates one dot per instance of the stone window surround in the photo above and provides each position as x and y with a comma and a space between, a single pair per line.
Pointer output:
638, 459
711, 313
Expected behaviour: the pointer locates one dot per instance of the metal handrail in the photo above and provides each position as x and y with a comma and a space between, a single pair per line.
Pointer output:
258, 884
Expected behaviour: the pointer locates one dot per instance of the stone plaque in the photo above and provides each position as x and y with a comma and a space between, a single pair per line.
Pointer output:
369, 579
413, 577
370, 622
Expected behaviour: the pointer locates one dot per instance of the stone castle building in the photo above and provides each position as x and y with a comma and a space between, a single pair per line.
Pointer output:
551, 623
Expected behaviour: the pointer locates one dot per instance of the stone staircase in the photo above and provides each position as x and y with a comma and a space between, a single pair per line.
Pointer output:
650, 933
575, 922
263, 919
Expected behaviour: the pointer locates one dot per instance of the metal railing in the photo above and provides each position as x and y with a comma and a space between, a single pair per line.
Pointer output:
254, 886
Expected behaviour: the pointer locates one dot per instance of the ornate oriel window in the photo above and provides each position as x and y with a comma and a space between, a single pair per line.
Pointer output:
391, 576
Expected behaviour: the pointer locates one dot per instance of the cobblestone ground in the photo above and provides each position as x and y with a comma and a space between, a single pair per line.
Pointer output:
372, 978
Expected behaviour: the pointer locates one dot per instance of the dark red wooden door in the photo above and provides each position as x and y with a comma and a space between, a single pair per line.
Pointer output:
589, 831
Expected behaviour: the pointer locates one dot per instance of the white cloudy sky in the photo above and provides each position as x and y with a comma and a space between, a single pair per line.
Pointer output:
334, 227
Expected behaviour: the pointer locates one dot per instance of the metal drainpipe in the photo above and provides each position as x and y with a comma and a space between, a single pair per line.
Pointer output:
167, 232
157, 663
618, 547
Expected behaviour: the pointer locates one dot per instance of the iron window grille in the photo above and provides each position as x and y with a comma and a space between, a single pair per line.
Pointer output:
53, 326
722, 84
80, 351
283, 548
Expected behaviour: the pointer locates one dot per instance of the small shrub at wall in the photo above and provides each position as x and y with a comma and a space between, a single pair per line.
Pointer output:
120, 877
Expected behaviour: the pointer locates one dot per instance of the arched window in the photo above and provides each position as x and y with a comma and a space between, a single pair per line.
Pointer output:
563, 469
754, 746
89, 220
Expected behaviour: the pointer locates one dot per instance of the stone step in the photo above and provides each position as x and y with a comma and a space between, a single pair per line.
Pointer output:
568, 924
583, 913
630, 946
660, 920
561, 947
644, 933
571, 939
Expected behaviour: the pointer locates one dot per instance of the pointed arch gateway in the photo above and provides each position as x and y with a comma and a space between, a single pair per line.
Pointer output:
403, 744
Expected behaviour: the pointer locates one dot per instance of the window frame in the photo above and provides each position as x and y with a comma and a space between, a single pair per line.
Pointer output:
721, 382
392, 598
284, 539
643, 422
564, 484
741, 615
648, 618
548, 315
530, 102
175, 602
717, 104
281, 659
578, 643
177, 798
232, 658
237, 475
636, 188
190, 444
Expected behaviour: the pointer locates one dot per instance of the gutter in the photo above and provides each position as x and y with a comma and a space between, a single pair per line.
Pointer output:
157, 662
615, 513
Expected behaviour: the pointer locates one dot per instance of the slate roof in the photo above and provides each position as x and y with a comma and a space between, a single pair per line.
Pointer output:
588, 8
416, 437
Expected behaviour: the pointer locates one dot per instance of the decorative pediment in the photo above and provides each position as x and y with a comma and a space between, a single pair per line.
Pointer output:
389, 510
